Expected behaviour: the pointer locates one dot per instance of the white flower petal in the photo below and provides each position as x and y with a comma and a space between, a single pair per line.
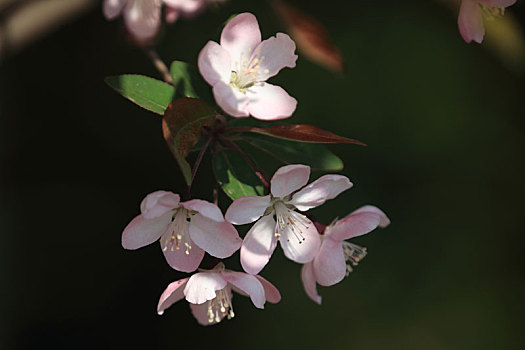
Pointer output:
270, 102
231, 100
201, 287
274, 54
214, 63
325, 188
240, 36
289, 178
245, 210
258, 245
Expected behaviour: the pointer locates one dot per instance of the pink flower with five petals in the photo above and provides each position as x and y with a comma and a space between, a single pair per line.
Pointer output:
470, 19
185, 230
210, 293
239, 67
336, 257
298, 235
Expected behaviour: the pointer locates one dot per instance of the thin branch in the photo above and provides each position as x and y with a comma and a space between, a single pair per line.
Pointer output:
196, 166
229, 144
159, 64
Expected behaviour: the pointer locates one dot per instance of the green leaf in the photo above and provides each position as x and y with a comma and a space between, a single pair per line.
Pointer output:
149, 93
182, 128
317, 156
189, 83
235, 176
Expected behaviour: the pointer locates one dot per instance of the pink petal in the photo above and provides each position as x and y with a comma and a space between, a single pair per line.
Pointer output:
353, 225
140, 231
112, 8
142, 18
245, 210
231, 100
206, 209
215, 63
300, 247
497, 3
179, 260
329, 264
248, 284
172, 294
201, 287
470, 21
384, 221
319, 191
309, 284
270, 291
278, 52
185, 5
158, 203
289, 178
200, 312
172, 14
258, 245
270, 102
219, 239
241, 36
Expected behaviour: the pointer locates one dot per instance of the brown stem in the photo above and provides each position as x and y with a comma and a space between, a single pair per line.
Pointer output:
159, 64
198, 161
257, 171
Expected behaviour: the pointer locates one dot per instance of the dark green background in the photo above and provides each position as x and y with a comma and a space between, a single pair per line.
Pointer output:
444, 122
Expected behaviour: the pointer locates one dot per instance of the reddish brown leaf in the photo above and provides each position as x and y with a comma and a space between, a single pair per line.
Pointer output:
303, 133
182, 128
311, 37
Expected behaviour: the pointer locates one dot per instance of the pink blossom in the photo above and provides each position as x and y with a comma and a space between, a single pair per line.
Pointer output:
142, 17
335, 258
298, 235
185, 8
185, 230
239, 67
210, 293
470, 19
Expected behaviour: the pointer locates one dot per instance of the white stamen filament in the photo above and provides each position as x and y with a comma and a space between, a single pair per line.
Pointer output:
220, 306
177, 234
246, 72
353, 254
288, 218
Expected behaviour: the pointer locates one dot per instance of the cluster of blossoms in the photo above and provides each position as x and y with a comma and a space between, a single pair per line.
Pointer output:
188, 229
237, 70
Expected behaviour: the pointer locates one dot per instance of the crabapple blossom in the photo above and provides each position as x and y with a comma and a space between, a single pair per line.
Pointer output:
470, 19
335, 258
185, 230
239, 66
210, 293
141, 17
298, 235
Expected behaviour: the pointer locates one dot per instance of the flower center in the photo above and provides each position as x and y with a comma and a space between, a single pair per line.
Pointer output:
492, 12
246, 73
288, 219
220, 306
177, 235
353, 254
